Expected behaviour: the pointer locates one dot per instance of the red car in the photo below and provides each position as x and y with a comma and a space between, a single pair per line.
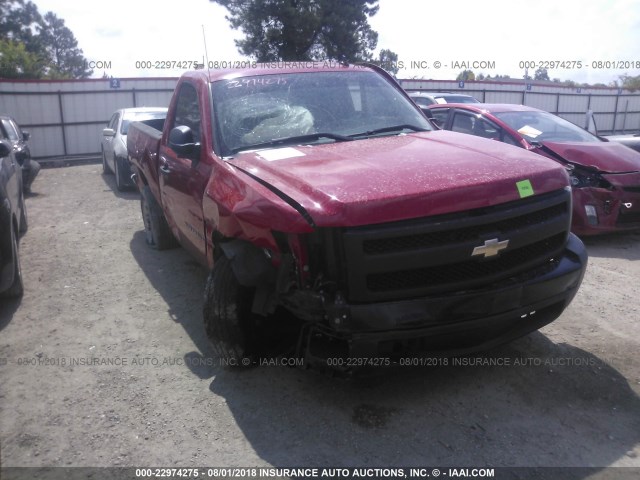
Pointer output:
605, 176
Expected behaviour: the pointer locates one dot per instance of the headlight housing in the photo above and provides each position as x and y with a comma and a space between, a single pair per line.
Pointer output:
581, 178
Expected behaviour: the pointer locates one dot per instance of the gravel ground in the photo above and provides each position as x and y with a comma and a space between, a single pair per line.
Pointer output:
103, 363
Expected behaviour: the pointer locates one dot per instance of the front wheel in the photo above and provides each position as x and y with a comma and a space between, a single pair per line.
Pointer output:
120, 182
157, 232
229, 323
105, 167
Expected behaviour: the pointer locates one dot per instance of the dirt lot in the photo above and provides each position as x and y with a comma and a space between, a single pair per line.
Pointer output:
566, 396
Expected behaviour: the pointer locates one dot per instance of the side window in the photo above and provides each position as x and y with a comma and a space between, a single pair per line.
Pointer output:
11, 132
114, 121
485, 128
463, 123
440, 116
188, 110
3, 133
423, 101
17, 129
510, 140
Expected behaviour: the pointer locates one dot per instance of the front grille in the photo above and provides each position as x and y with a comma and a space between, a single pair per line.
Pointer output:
411, 242
434, 255
460, 272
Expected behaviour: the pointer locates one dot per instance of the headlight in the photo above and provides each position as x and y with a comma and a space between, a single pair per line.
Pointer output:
581, 178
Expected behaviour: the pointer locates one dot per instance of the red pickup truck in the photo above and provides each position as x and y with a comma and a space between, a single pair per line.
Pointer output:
321, 193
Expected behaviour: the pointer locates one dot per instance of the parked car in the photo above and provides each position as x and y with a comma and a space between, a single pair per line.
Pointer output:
10, 132
424, 99
631, 141
326, 193
605, 176
114, 142
13, 221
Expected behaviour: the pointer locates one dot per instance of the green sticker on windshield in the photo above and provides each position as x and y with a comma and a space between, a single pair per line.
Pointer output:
524, 188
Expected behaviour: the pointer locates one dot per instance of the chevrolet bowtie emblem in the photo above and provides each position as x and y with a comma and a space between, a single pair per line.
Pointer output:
490, 248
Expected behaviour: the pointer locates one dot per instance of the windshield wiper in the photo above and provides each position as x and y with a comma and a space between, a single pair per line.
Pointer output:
394, 128
299, 139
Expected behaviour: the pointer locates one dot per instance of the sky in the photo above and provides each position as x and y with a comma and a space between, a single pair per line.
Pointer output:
597, 40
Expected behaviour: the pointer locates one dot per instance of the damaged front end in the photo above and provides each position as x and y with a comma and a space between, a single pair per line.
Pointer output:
416, 287
604, 202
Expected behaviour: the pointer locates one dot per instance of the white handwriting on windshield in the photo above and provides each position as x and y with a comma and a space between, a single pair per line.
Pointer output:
253, 82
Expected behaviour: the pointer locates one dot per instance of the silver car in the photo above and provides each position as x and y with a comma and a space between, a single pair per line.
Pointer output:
114, 141
424, 99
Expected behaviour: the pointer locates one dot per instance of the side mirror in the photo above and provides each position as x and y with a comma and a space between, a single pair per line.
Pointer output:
26, 136
5, 149
182, 142
108, 132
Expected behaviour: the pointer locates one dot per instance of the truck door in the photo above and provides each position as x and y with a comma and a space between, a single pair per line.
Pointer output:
183, 180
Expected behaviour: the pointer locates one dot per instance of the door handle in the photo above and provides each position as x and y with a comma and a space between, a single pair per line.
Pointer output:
165, 169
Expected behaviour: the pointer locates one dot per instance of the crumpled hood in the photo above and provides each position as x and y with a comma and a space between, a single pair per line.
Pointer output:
608, 157
399, 177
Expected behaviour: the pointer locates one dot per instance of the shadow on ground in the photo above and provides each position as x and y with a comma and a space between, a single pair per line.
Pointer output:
180, 281
614, 245
530, 403
8, 307
130, 193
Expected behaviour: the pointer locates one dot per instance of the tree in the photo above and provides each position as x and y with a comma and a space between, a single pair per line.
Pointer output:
46, 40
65, 58
21, 22
389, 61
304, 29
541, 74
629, 83
466, 76
17, 62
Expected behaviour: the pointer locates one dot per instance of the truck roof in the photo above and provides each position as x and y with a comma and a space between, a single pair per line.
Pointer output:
273, 68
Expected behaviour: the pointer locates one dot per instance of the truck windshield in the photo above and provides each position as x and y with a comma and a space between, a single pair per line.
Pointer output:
316, 107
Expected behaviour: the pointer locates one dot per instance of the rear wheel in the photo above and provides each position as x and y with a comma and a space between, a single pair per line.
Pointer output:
157, 231
16, 289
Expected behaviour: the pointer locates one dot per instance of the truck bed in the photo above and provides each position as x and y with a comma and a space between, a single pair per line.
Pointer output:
143, 144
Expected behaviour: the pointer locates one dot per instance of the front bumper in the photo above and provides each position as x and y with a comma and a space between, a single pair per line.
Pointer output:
457, 323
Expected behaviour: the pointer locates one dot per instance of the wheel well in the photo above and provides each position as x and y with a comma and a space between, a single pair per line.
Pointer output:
250, 264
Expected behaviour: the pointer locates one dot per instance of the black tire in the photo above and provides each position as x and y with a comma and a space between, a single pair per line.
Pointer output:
157, 231
16, 289
24, 223
105, 167
120, 183
229, 323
